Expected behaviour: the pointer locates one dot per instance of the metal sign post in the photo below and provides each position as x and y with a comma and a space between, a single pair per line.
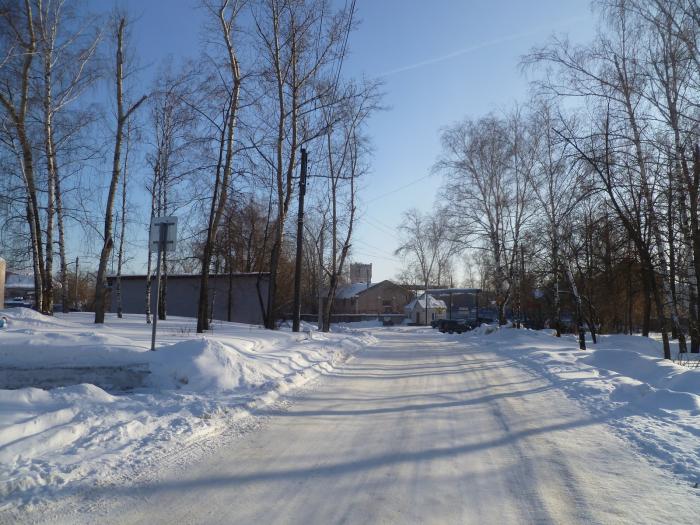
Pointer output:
163, 236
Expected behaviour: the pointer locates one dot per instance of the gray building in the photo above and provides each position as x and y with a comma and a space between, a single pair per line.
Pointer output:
234, 296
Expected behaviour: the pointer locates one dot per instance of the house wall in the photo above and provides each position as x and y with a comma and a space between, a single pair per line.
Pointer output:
416, 314
344, 306
433, 314
372, 300
383, 298
183, 295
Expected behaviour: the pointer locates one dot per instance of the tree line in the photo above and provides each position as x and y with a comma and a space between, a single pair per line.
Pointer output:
214, 138
584, 199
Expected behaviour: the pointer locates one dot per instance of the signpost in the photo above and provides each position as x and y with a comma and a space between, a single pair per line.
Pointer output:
162, 238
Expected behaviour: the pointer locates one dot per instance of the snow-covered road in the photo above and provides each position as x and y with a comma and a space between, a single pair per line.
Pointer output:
419, 428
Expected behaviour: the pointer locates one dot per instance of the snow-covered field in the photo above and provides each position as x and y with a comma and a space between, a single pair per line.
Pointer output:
111, 409
113, 406
651, 402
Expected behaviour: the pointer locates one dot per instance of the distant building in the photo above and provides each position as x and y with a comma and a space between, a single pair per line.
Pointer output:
232, 297
360, 273
416, 309
384, 297
19, 288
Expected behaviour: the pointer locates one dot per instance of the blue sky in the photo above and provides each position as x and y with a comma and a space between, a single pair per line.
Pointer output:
441, 60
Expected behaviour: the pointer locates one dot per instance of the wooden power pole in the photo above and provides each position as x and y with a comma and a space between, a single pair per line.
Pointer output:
296, 321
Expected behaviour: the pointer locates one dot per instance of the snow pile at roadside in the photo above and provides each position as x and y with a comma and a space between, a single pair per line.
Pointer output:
651, 401
35, 340
191, 388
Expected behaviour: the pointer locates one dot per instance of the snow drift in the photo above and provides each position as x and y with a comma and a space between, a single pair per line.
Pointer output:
652, 402
192, 387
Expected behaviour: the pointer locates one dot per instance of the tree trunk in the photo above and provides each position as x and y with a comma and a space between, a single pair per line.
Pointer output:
62, 248
223, 171
122, 231
108, 244
579, 309
647, 286
17, 115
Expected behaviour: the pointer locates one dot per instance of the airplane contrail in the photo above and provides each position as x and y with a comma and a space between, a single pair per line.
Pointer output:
473, 48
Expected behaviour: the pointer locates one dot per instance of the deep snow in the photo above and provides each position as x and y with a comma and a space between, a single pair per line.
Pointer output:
60, 441
652, 402
192, 387
417, 428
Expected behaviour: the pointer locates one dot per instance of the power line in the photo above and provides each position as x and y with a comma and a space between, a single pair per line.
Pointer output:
376, 256
400, 188
374, 224
379, 250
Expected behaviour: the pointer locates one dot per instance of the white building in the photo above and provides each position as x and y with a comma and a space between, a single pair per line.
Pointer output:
416, 309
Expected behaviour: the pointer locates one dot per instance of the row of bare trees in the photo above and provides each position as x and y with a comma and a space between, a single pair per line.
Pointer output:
46, 64
587, 197
214, 140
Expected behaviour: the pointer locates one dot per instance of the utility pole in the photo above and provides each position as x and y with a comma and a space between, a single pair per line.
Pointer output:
426, 304
518, 288
320, 278
296, 314
523, 317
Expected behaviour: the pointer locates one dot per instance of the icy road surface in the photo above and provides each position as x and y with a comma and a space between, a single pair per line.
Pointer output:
419, 428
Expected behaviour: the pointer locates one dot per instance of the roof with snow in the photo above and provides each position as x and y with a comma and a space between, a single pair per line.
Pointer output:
352, 290
420, 303
19, 281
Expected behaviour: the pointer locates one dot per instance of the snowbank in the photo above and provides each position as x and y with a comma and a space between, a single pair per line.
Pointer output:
650, 401
191, 388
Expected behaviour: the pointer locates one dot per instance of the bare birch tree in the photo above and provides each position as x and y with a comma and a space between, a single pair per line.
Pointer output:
301, 44
487, 164
123, 115
225, 13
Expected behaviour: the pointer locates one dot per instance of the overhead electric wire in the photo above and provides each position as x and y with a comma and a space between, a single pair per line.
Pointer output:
400, 188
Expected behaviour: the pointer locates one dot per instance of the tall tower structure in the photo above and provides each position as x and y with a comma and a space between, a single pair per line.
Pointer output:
360, 273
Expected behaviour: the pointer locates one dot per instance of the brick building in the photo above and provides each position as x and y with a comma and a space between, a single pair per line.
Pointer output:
384, 297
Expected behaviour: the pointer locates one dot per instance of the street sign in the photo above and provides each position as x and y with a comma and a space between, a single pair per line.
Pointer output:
162, 238
169, 236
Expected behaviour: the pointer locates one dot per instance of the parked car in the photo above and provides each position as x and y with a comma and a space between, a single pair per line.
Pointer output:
438, 323
18, 302
474, 323
452, 326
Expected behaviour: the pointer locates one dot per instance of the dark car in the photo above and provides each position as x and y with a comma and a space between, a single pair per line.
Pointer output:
437, 323
474, 323
452, 326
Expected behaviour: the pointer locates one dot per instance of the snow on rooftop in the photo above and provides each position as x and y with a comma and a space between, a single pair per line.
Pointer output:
432, 303
19, 281
351, 290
